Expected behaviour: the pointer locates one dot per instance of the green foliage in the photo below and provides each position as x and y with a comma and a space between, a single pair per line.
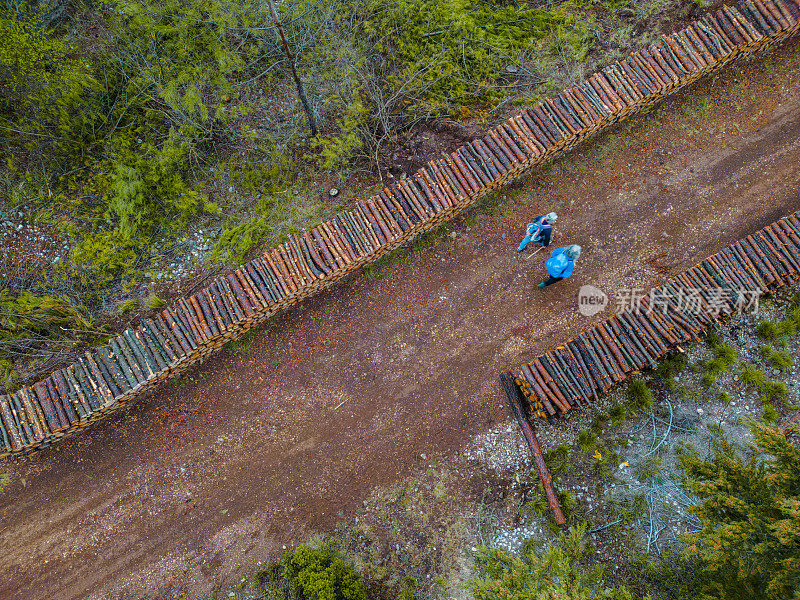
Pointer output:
5, 479
336, 149
599, 422
772, 331
771, 414
669, 368
452, 51
750, 516
768, 330
587, 440
708, 379
724, 358
556, 574
153, 302
99, 258
779, 359
557, 459
41, 80
29, 322
320, 574
712, 337
770, 390
639, 395
617, 413
235, 242
127, 306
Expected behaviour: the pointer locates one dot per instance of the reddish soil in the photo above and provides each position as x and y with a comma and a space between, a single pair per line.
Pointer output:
281, 439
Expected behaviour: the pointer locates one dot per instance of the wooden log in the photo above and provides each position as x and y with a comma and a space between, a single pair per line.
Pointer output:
176, 329
109, 372
512, 394
240, 295
601, 355
56, 420
145, 350
93, 395
10, 427
133, 379
550, 384
544, 400
6, 443
63, 403
638, 358
591, 382
573, 372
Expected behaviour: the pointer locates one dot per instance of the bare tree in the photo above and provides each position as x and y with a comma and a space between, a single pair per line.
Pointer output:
298, 83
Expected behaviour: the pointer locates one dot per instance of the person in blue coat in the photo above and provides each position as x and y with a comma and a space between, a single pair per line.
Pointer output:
540, 231
561, 263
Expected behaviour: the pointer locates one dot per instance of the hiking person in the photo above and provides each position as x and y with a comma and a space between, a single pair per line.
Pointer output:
560, 264
540, 231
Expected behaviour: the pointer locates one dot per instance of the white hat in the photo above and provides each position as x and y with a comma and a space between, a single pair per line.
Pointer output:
551, 217
573, 251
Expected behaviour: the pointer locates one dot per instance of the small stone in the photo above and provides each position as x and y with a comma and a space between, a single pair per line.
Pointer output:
333, 192
701, 412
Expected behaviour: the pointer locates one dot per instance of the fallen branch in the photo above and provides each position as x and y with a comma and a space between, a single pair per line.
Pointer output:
533, 444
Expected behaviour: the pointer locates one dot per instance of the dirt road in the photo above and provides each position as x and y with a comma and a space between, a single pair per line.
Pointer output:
282, 438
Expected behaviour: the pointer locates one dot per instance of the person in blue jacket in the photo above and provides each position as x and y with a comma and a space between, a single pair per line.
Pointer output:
540, 231
561, 263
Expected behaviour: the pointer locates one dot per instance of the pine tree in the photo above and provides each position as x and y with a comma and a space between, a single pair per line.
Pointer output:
557, 574
749, 544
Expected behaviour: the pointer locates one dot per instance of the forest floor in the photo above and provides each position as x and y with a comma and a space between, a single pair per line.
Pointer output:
291, 431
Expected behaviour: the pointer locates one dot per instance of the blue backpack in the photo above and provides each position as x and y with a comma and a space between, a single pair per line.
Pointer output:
559, 265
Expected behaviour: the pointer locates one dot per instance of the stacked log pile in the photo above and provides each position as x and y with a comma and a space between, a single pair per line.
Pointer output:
678, 311
136, 361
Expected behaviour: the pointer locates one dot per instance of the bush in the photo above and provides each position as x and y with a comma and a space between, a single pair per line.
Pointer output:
779, 359
768, 330
557, 459
320, 574
127, 306
558, 573
153, 302
452, 51
587, 440
771, 414
639, 395
748, 509
617, 413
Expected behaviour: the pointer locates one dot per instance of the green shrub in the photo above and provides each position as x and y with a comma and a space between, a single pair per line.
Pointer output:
639, 395
557, 459
153, 302
99, 258
771, 414
708, 379
235, 242
336, 149
617, 413
129, 305
746, 548
669, 368
771, 390
560, 573
41, 79
587, 440
712, 337
320, 574
780, 359
768, 330
452, 51
599, 422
